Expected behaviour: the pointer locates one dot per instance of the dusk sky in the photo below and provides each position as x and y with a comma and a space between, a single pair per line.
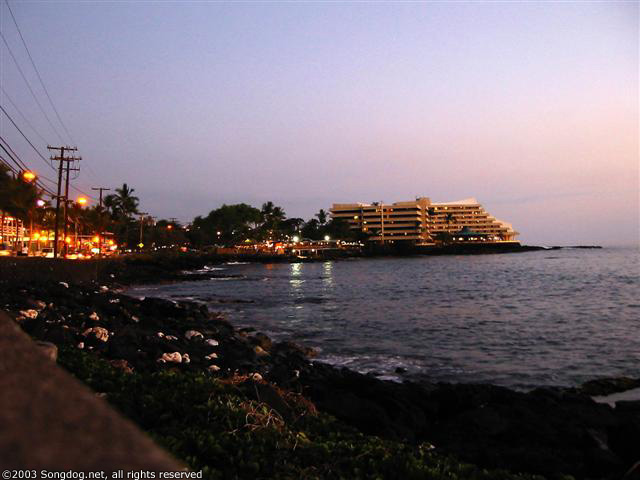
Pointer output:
532, 108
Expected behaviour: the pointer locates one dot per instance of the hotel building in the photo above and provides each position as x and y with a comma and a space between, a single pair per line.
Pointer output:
425, 223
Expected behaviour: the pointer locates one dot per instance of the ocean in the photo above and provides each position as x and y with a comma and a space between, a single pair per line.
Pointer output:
521, 320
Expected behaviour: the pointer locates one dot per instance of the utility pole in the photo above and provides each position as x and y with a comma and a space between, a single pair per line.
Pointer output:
101, 189
142, 215
66, 203
61, 158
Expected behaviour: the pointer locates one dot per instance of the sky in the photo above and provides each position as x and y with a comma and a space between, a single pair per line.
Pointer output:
530, 107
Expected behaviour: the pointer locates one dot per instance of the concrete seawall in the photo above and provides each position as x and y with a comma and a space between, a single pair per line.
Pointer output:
35, 269
49, 420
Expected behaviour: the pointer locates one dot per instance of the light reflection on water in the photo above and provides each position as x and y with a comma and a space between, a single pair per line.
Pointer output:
520, 320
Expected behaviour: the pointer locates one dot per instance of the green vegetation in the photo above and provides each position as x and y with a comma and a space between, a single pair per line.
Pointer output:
213, 426
233, 224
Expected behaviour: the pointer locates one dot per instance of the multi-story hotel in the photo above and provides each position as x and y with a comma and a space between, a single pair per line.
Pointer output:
425, 223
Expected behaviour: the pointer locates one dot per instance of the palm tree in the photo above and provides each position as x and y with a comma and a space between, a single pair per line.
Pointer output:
122, 205
272, 216
322, 217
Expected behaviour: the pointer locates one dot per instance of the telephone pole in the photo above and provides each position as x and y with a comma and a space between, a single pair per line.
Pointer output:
65, 245
101, 189
61, 158
142, 215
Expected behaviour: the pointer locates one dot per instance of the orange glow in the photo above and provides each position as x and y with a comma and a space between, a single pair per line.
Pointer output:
82, 200
169, 227
110, 242
29, 176
67, 240
96, 239
36, 236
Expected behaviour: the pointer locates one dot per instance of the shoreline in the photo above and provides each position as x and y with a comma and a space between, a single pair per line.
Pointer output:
493, 427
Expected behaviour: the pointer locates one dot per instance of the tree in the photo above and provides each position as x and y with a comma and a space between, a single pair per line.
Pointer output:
272, 217
322, 217
226, 225
311, 230
122, 206
17, 198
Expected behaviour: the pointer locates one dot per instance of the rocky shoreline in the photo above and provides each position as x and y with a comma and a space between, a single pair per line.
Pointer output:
550, 431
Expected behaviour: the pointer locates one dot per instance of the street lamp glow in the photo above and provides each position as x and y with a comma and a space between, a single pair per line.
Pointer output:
96, 239
29, 176
40, 202
296, 239
327, 238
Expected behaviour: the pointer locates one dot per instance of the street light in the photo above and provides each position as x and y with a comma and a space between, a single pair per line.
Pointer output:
296, 239
327, 238
28, 176
40, 202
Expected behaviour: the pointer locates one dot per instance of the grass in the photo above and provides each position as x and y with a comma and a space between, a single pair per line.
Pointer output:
211, 425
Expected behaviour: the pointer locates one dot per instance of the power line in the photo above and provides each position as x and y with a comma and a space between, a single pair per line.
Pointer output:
25, 137
29, 86
22, 115
13, 156
38, 72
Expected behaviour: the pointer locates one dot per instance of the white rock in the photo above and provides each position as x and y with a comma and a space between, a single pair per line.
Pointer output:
135, 319
189, 334
104, 288
41, 305
64, 284
257, 377
29, 313
171, 337
185, 358
114, 300
80, 345
213, 368
211, 342
211, 356
98, 332
160, 334
94, 316
174, 357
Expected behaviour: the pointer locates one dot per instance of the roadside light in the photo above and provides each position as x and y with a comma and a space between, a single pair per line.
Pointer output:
96, 239
327, 238
110, 242
29, 176
67, 240
82, 201
36, 236
219, 233
141, 244
296, 239
169, 227
40, 202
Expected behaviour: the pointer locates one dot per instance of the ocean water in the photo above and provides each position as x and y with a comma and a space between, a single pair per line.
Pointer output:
522, 320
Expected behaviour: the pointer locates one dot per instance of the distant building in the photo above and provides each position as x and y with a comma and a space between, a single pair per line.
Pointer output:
425, 223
